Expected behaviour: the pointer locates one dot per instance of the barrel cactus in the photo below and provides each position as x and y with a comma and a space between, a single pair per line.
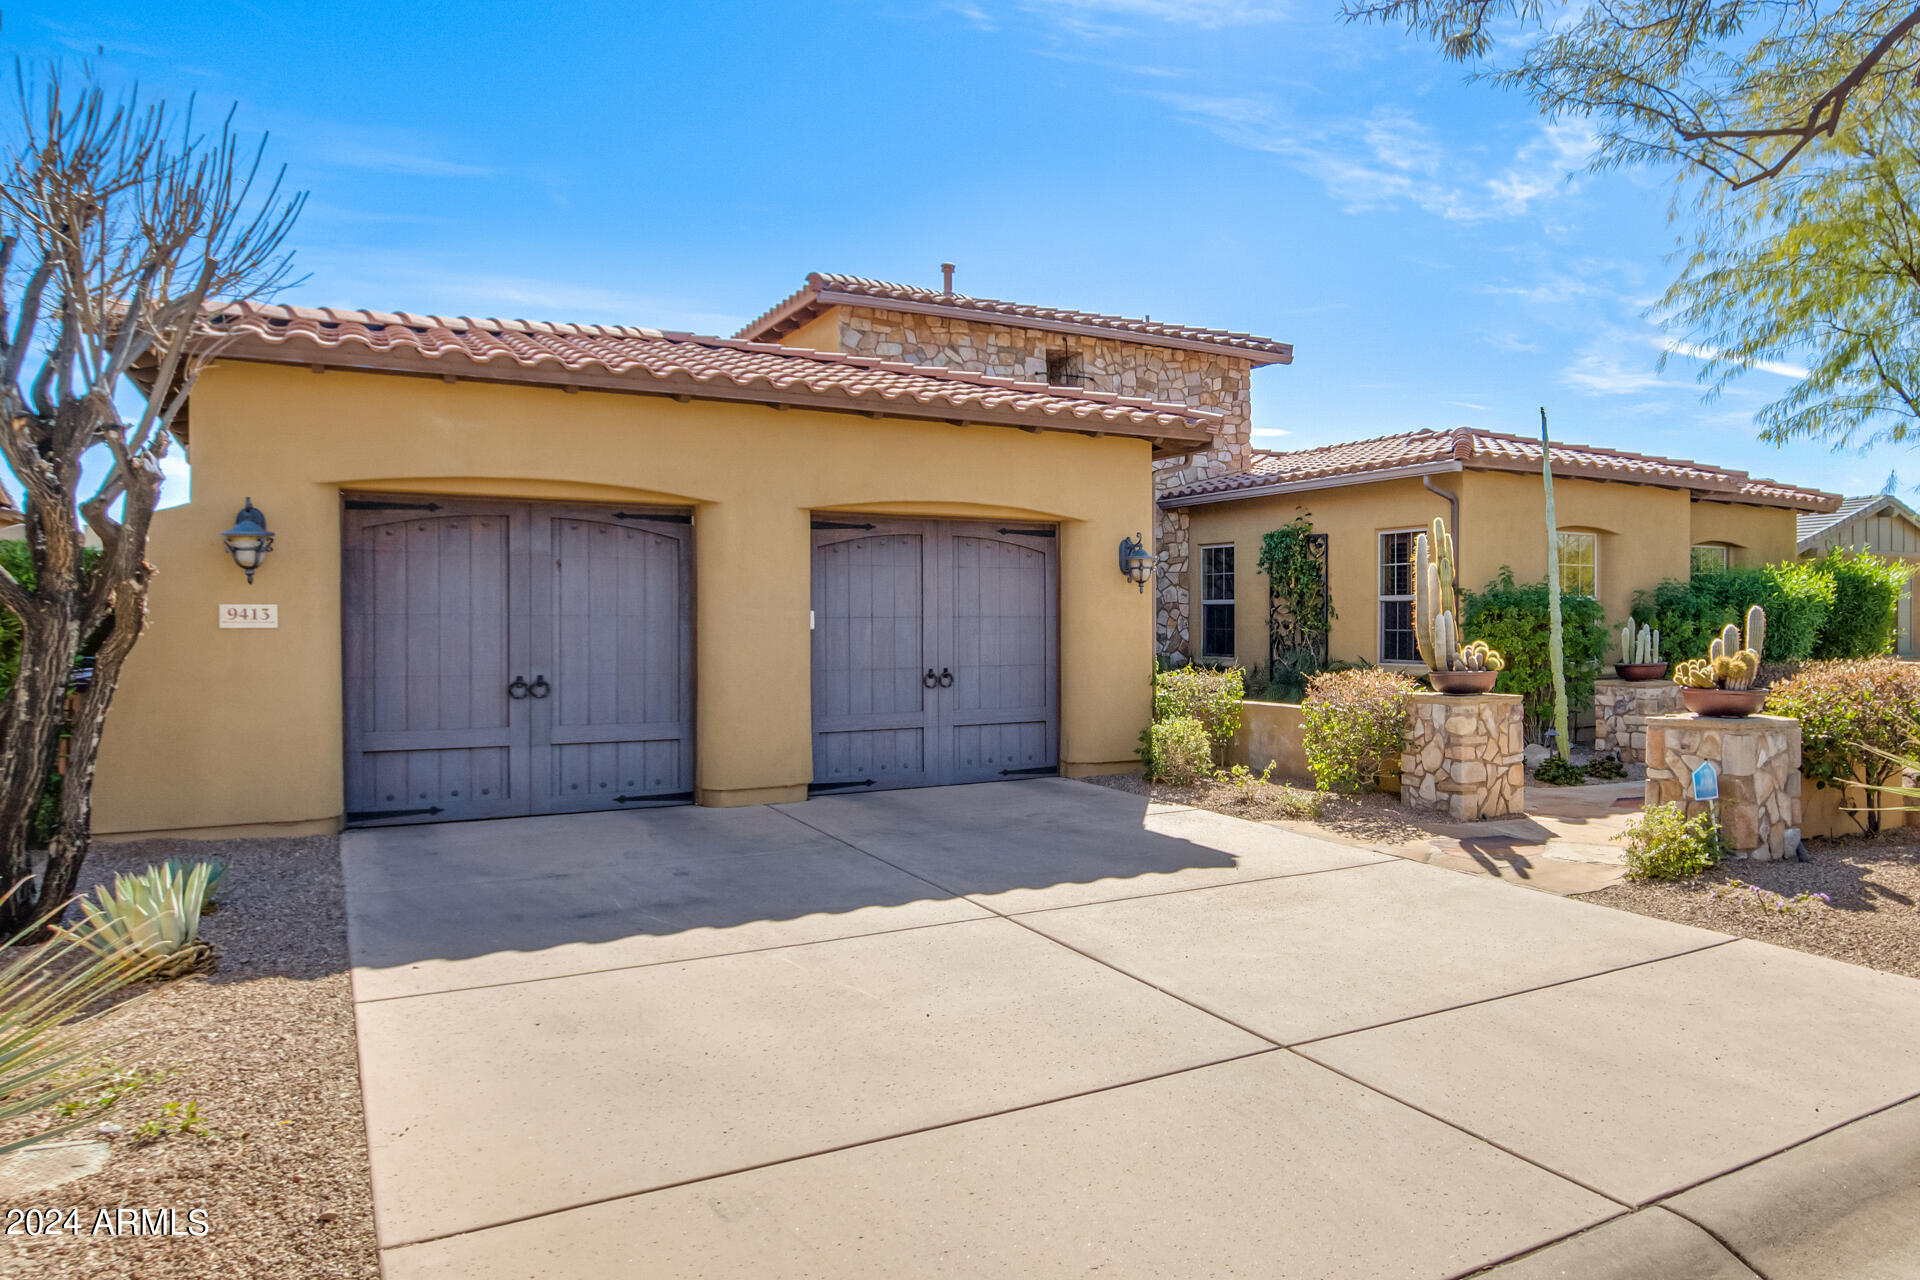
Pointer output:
1732, 661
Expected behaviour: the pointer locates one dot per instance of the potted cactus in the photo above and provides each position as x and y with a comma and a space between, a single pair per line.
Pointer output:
1639, 653
1452, 667
1721, 684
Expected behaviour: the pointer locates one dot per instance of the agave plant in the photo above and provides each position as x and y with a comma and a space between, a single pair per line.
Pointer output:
216, 872
48, 1037
153, 916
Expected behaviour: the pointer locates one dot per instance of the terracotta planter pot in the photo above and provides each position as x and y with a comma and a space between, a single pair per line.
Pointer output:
1459, 682
1723, 702
1640, 672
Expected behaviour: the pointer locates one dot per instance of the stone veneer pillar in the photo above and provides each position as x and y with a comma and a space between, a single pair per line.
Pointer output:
1758, 758
1463, 755
1620, 711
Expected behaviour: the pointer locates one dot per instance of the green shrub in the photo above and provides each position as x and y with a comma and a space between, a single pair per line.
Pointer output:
1798, 598
1854, 715
1513, 619
1555, 772
1608, 767
1354, 725
1181, 751
1866, 604
1665, 844
1208, 694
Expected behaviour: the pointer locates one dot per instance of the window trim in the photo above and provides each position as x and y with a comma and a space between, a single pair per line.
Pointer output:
1592, 537
1381, 598
1229, 603
1726, 555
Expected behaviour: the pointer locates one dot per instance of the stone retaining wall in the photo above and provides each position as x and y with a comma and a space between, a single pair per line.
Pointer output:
1758, 758
1463, 756
1620, 711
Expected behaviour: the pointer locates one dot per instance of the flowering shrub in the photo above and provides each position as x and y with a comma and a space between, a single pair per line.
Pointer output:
1856, 717
1665, 844
1179, 751
1354, 724
1210, 695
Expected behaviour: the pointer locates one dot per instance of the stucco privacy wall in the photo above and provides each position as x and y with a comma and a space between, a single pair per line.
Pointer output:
243, 728
1124, 368
1642, 535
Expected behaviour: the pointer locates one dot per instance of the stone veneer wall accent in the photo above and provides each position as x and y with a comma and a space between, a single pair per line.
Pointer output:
1123, 368
1759, 762
1464, 755
1620, 711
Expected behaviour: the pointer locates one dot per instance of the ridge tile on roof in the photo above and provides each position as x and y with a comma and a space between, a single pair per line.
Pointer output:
532, 351
823, 290
1478, 450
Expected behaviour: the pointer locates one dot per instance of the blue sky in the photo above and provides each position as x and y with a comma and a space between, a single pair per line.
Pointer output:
1431, 247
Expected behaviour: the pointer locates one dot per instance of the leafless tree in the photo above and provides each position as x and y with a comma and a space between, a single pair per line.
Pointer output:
120, 223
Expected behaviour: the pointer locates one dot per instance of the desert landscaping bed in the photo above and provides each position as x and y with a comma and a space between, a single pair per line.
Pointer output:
1870, 915
263, 1052
1369, 817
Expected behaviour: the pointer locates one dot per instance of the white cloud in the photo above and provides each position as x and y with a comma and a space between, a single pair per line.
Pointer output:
1603, 372
1391, 158
1697, 352
1468, 404
362, 155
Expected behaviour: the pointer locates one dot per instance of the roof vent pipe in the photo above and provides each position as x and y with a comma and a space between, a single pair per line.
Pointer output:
946, 278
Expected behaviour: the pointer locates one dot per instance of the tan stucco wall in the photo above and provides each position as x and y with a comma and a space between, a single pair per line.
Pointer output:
1642, 536
1351, 517
822, 333
220, 728
1752, 535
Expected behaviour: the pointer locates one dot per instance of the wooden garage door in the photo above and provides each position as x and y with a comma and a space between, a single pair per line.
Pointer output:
934, 652
514, 658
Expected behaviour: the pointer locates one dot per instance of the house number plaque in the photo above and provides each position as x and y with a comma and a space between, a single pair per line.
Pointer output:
249, 615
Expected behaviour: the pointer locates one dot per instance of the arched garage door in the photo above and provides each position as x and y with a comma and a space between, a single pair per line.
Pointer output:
514, 658
935, 649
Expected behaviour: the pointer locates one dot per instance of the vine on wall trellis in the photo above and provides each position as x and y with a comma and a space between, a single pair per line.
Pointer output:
1299, 608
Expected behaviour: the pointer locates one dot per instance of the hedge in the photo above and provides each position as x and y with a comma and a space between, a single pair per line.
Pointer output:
1842, 605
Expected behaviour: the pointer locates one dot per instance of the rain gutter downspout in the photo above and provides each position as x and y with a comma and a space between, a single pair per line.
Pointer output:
1453, 511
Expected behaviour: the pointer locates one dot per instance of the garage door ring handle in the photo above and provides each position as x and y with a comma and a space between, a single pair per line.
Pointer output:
930, 680
540, 688
518, 689
946, 678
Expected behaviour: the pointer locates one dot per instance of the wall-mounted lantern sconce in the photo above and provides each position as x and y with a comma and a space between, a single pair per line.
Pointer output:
249, 540
1136, 562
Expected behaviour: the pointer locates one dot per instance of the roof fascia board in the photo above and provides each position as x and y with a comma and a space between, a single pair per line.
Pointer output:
1171, 442
978, 315
1760, 500
1318, 482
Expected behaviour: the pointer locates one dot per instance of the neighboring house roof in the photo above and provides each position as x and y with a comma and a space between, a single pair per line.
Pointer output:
1416, 453
687, 366
1811, 526
822, 292
9, 514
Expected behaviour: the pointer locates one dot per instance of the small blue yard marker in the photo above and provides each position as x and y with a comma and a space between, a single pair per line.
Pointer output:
1706, 782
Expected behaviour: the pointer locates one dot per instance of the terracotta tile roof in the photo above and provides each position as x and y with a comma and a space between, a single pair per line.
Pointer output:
823, 291
619, 358
1465, 448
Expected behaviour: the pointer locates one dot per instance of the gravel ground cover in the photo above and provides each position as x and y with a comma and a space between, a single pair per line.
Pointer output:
264, 1049
1870, 915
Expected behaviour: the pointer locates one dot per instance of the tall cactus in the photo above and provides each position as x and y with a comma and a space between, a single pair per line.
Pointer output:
1436, 619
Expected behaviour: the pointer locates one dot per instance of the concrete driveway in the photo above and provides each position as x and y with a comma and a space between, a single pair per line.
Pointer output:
1042, 1028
